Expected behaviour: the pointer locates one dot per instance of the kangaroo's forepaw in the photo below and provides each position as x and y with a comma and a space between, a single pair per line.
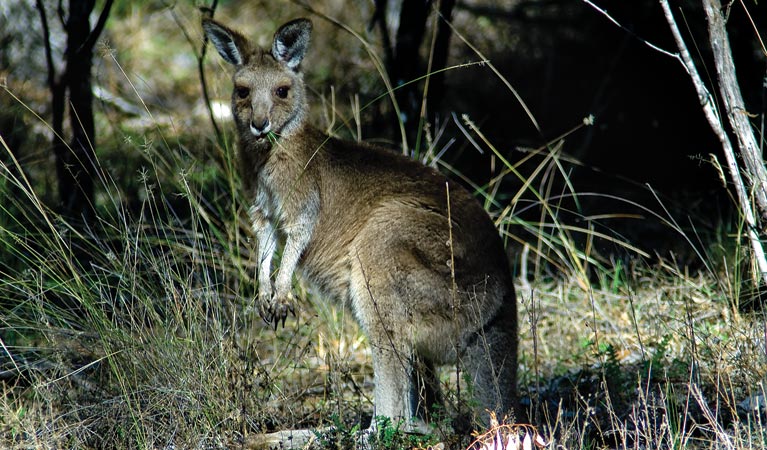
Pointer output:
277, 309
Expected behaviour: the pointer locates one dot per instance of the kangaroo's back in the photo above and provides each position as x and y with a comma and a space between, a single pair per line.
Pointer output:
413, 254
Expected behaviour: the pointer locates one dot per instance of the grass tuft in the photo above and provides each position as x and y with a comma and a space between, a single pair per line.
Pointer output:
134, 330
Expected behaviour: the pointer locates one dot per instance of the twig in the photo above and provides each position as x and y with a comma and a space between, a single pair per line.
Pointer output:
200, 68
618, 24
721, 434
206, 12
47, 45
735, 110
534, 317
380, 65
453, 290
97, 29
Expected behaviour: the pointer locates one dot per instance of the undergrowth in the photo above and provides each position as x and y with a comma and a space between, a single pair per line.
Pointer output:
136, 329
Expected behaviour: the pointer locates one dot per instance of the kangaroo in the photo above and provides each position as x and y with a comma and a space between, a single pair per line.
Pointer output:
411, 253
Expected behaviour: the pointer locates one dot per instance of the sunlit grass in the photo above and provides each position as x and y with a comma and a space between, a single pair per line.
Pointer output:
133, 331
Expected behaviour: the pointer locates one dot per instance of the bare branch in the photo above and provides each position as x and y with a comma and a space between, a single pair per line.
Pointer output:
206, 12
714, 120
60, 13
47, 45
618, 24
98, 28
201, 69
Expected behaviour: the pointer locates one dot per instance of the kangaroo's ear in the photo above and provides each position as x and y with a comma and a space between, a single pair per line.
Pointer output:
291, 42
231, 45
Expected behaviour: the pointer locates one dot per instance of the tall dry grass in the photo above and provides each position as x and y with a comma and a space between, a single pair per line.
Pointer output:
134, 331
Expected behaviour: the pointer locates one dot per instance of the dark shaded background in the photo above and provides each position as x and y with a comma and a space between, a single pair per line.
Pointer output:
567, 62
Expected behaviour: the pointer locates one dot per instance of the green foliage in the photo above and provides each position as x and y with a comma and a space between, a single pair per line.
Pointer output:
390, 435
616, 279
133, 331
340, 436
386, 435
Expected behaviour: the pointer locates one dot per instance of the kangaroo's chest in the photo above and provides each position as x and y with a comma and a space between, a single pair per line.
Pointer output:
265, 201
287, 197
270, 196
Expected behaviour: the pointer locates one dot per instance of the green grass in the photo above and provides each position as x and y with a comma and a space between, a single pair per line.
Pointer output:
134, 330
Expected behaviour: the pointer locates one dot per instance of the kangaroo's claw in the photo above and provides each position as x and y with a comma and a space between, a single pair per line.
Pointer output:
276, 310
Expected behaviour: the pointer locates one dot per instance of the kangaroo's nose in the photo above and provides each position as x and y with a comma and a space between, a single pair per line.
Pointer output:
259, 126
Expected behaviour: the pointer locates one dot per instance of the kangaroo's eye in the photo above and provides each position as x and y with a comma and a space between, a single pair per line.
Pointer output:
282, 91
242, 91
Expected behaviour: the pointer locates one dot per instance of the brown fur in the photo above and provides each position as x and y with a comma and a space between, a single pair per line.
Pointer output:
371, 228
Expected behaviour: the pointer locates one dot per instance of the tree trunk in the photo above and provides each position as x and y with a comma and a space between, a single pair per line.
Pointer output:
404, 63
76, 165
720, 44
76, 162
729, 88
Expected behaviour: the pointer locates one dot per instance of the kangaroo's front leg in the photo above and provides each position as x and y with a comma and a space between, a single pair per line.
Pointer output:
267, 245
298, 235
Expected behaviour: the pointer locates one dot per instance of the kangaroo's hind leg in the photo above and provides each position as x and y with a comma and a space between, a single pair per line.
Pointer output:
383, 316
490, 359
394, 293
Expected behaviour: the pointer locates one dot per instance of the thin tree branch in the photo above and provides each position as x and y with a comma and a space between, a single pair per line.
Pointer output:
713, 117
96, 31
200, 56
735, 106
631, 33
57, 87
47, 45
201, 69
60, 12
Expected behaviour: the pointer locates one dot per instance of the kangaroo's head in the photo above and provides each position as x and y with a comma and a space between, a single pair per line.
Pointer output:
269, 95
